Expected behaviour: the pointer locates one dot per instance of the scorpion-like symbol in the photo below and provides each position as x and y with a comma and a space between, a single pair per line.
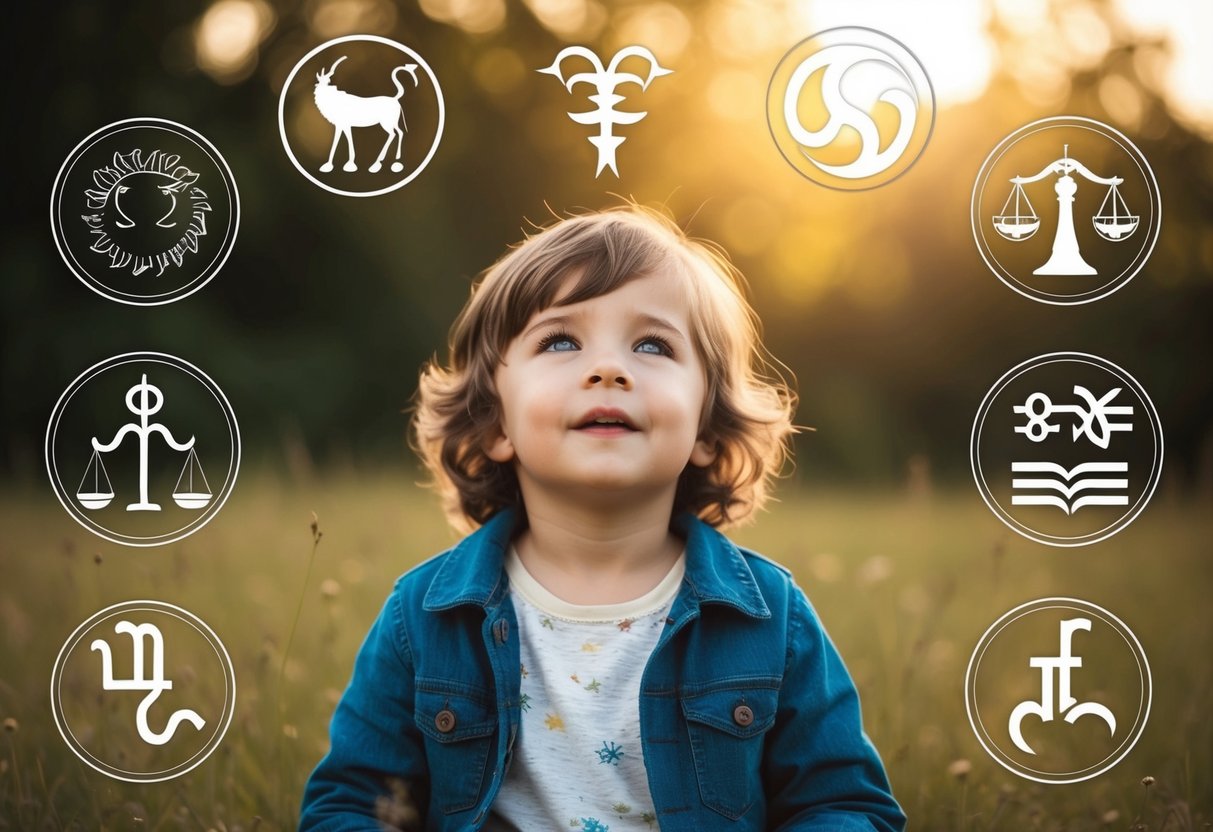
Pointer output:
605, 80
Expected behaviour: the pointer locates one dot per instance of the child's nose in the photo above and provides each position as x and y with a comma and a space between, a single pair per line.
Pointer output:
610, 373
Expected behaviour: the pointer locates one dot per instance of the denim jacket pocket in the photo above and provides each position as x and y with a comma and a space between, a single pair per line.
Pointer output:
458, 723
726, 722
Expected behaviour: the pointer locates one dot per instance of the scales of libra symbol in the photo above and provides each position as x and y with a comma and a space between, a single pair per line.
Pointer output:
192, 491
1112, 222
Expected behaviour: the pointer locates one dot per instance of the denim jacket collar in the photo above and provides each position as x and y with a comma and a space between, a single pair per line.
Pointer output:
716, 573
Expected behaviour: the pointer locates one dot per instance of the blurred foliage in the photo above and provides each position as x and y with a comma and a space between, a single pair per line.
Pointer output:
878, 302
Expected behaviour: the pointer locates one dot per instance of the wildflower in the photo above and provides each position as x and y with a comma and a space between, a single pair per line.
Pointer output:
315, 527
1147, 781
1110, 817
875, 569
960, 768
329, 589
97, 558
10, 725
290, 731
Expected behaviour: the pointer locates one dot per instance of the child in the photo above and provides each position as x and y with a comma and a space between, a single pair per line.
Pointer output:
596, 656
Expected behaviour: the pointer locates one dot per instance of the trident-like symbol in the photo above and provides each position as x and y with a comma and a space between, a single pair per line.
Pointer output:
1066, 703
605, 81
154, 686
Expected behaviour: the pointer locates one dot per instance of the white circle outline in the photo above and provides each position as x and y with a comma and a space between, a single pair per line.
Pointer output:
84, 378
229, 182
1083, 606
1004, 145
897, 59
286, 145
164, 608
1022, 528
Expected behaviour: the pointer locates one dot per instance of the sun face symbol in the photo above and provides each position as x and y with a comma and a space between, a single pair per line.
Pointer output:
149, 213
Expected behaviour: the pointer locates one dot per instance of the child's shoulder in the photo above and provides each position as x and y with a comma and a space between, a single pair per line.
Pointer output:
777, 583
760, 563
416, 581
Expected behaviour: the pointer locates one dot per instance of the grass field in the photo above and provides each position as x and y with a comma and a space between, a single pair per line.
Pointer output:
905, 584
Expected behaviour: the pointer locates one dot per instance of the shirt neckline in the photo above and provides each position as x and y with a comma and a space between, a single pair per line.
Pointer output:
540, 597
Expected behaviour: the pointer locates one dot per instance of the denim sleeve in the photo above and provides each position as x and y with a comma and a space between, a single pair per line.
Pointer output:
375, 758
820, 770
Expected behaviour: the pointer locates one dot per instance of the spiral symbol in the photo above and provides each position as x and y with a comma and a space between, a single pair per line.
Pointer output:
848, 63
834, 136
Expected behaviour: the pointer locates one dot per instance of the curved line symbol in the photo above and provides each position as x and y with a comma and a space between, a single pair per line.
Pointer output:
838, 61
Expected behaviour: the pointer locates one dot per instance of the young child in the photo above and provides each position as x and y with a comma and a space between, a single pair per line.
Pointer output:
596, 655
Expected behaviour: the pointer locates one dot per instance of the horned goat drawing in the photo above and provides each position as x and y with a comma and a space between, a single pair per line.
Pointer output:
345, 112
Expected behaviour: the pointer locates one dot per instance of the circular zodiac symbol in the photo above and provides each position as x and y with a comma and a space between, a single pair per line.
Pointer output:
145, 211
850, 108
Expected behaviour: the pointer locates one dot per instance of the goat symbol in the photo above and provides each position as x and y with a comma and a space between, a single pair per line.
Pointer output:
345, 112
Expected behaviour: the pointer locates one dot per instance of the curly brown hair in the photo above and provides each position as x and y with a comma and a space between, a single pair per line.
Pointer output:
747, 412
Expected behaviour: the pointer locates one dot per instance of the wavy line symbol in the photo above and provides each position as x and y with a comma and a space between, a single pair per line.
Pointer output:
1069, 482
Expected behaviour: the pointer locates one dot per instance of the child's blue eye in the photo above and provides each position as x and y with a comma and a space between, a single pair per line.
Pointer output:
655, 345
557, 342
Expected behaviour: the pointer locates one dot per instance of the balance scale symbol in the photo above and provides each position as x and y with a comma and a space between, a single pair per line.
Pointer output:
144, 400
1112, 222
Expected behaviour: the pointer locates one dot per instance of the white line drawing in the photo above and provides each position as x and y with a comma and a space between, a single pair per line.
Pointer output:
1114, 221
1066, 258
144, 400
1093, 423
299, 100
1063, 476
845, 64
148, 198
1066, 704
1124, 675
1124, 443
346, 111
156, 685
605, 80
147, 379
76, 686
850, 108
149, 188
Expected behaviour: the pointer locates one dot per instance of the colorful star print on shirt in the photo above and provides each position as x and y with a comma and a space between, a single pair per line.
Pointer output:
578, 762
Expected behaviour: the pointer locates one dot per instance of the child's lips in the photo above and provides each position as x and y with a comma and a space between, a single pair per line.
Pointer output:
606, 417
605, 429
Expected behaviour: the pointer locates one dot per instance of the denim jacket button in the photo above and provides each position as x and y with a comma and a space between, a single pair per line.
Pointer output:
445, 721
743, 716
501, 631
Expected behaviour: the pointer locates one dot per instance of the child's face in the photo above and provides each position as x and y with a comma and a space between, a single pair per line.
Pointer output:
625, 356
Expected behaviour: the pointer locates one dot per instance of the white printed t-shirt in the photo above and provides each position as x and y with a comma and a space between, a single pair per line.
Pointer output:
578, 763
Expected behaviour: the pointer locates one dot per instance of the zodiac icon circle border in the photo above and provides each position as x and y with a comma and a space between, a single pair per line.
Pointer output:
423, 65
78, 383
1004, 145
176, 612
866, 32
216, 158
1078, 605
976, 465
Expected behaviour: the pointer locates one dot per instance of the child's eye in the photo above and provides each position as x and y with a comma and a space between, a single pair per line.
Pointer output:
655, 345
557, 342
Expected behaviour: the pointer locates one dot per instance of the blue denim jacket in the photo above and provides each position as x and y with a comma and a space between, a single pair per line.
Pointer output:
434, 701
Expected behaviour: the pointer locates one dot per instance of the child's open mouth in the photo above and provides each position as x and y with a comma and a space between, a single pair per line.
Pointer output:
606, 422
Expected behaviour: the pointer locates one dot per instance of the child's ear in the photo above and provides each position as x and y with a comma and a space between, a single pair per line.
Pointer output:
704, 453
498, 446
